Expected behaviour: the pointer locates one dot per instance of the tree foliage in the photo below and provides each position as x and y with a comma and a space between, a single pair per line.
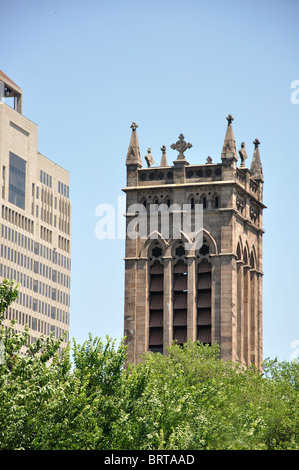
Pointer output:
84, 398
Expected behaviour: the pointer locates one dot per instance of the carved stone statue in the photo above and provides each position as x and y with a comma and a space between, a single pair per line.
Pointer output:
243, 154
149, 158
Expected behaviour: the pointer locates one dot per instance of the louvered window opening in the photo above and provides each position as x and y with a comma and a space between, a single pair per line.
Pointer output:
156, 287
180, 292
204, 297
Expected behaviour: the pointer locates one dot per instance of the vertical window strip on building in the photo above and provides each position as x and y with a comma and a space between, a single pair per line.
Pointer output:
17, 179
63, 189
156, 287
45, 179
204, 297
180, 293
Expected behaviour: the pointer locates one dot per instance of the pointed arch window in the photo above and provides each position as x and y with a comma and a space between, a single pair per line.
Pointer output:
245, 256
239, 300
180, 292
253, 311
156, 288
246, 305
204, 301
239, 252
216, 201
167, 201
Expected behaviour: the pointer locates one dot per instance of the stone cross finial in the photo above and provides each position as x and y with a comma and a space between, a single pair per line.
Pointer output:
134, 126
229, 119
256, 143
181, 146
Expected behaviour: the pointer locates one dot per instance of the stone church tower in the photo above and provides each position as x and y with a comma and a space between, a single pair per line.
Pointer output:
202, 280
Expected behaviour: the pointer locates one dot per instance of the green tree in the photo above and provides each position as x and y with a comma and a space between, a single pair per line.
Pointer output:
8, 294
85, 398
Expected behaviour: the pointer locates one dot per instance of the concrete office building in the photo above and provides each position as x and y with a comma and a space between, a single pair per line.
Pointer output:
35, 223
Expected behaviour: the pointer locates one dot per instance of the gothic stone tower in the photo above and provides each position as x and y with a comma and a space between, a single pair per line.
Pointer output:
211, 292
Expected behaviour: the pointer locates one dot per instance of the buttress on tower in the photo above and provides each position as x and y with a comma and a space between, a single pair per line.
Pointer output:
179, 290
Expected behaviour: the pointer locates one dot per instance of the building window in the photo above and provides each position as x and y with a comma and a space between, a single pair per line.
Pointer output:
204, 286
45, 179
53, 312
36, 266
53, 294
63, 189
17, 178
156, 287
3, 182
180, 293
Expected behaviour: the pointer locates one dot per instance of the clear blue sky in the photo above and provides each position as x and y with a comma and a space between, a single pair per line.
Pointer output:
89, 68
